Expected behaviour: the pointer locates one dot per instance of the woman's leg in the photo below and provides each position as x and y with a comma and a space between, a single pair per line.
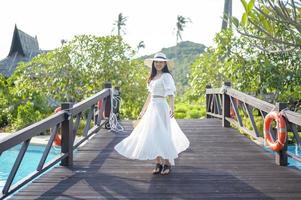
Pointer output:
159, 160
166, 167
159, 166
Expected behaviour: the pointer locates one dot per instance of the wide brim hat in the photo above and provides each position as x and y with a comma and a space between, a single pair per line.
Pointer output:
159, 57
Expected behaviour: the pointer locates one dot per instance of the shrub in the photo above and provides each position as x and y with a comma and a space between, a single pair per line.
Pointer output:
194, 114
27, 114
180, 115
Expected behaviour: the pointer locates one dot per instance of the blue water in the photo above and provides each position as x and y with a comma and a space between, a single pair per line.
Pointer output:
294, 149
28, 165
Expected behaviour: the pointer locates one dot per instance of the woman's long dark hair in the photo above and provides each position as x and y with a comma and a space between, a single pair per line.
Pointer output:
154, 72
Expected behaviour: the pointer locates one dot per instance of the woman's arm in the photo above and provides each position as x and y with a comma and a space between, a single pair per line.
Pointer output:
171, 105
145, 106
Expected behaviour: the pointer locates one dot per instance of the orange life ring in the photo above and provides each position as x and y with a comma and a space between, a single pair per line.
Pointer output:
232, 111
281, 131
58, 138
99, 105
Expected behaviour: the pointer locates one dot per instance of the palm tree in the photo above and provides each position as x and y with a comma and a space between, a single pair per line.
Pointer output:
227, 14
63, 41
119, 23
140, 45
181, 22
180, 25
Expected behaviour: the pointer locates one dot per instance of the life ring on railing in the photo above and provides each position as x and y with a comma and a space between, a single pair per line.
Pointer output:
99, 105
58, 138
232, 111
281, 131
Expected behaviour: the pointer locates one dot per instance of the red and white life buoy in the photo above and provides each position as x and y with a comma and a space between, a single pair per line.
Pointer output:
281, 131
58, 138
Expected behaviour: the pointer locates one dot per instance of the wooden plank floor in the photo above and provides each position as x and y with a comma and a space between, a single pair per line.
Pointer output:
220, 164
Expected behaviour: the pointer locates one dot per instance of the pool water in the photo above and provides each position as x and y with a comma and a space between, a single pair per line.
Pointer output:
29, 163
294, 149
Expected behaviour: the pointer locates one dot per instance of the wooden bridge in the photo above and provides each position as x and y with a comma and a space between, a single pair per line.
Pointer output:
221, 163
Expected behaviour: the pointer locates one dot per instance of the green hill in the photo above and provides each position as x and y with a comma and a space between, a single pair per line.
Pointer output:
184, 55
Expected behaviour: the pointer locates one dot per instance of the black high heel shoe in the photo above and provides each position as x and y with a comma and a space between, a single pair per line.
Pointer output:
158, 169
166, 170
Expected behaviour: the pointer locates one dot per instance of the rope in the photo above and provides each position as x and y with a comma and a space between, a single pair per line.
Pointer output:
223, 89
283, 113
115, 126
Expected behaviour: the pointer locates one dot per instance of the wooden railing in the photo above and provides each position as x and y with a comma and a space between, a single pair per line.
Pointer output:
227, 104
67, 122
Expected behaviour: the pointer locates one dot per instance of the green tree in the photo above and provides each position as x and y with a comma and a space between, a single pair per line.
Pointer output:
140, 45
4, 100
207, 69
180, 25
275, 24
120, 23
249, 69
74, 72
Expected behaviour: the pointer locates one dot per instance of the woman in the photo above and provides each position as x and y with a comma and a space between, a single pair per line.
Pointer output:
157, 135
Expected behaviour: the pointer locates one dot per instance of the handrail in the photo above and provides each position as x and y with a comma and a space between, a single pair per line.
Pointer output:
293, 117
250, 100
224, 103
62, 120
85, 104
31, 131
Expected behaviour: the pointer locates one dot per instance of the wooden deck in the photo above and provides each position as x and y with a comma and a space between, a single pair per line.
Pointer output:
220, 164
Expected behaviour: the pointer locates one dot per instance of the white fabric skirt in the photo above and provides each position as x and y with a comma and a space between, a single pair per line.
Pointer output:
155, 135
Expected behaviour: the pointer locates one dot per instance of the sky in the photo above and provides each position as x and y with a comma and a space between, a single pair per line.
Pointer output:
153, 21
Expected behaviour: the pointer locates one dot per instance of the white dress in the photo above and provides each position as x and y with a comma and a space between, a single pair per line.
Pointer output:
157, 134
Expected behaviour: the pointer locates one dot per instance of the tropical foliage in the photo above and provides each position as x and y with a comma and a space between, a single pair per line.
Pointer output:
71, 73
120, 24
4, 99
180, 25
274, 25
236, 58
263, 60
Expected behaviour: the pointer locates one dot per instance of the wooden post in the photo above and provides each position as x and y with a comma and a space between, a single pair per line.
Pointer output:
226, 106
108, 100
281, 156
208, 102
107, 105
67, 137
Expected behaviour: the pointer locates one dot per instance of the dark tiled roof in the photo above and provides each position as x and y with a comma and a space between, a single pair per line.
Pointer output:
29, 44
23, 48
9, 64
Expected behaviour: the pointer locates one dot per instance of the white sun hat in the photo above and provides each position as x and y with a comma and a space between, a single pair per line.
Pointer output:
159, 57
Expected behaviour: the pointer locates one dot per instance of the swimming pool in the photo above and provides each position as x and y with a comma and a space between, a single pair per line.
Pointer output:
294, 149
29, 163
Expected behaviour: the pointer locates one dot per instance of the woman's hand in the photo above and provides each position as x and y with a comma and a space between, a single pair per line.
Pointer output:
171, 112
141, 114
171, 106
